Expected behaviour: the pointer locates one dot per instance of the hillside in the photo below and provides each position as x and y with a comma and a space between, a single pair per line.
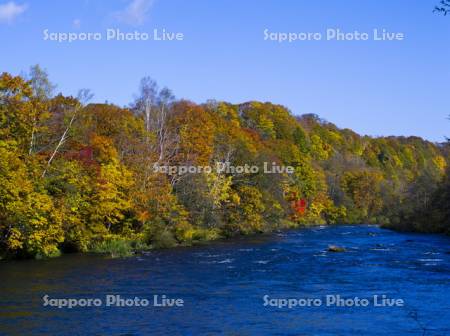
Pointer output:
96, 177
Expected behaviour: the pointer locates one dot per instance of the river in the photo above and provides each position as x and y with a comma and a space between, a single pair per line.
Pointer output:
237, 287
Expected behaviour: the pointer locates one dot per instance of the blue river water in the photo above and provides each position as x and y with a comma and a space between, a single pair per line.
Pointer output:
237, 287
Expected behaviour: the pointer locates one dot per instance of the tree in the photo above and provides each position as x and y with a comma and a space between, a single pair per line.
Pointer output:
443, 7
146, 101
40, 82
30, 223
154, 106
363, 188
110, 197
75, 108
18, 113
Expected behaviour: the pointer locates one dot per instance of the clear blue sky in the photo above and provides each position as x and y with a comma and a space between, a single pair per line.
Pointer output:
373, 87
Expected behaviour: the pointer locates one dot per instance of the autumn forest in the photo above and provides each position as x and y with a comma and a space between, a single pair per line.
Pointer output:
77, 176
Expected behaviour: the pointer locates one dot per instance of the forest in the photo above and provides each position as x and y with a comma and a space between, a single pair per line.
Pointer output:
77, 176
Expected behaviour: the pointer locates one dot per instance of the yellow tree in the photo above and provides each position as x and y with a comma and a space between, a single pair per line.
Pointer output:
29, 221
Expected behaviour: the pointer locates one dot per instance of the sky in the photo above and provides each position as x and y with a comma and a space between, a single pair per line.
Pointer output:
378, 88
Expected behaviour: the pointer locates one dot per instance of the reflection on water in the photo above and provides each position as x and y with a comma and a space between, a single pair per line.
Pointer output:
223, 285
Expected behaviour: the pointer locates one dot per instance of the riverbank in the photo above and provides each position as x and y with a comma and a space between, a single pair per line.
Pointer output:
116, 246
119, 247
124, 247
408, 228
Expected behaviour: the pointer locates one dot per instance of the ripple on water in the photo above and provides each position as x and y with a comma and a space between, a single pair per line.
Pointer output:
226, 298
226, 261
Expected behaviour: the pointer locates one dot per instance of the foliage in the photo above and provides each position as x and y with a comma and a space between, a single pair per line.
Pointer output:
82, 178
